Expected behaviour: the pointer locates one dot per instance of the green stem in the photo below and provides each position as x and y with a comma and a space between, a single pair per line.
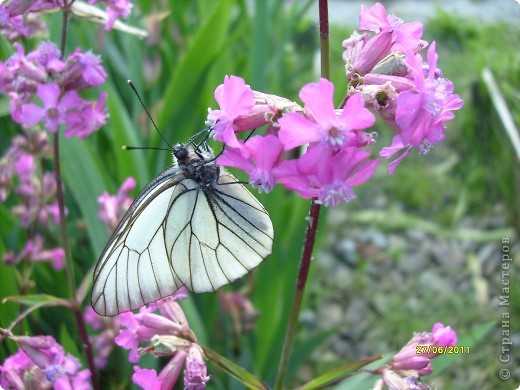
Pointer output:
312, 224
69, 264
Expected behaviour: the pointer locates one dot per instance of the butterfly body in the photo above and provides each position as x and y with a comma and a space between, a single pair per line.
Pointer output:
194, 225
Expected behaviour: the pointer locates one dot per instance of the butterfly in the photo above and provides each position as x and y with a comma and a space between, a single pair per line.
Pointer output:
194, 225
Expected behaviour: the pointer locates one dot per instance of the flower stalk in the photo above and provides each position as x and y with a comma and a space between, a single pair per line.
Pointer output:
69, 265
310, 238
312, 221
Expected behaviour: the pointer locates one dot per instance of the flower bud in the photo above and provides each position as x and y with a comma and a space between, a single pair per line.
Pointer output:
167, 345
392, 64
195, 374
18, 7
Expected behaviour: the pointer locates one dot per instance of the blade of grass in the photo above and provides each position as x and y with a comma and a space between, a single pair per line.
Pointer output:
237, 372
84, 176
192, 67
337, 374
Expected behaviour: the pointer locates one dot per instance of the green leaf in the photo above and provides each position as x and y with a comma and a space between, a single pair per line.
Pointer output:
38, 300
35, 302
206, 45
8, 282
84, 174
337, 374
364, 380
195, 319
303, 350
237, 372
125, 134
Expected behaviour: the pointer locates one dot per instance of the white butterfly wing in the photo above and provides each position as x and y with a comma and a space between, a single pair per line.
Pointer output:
134, 269
176, 234
217, 237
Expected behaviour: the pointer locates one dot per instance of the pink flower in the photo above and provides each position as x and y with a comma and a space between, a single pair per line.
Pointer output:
443, 336
48, 55
405, 36
41, 358
146, 378
103, 340
170, 334
40, 204
323, 124
409, 359
235, 99
34, 252
55, 107
408, 366
195, 373
257, 157
113, 207
56, 83
326, 174
83, 70
11, 20
143, 326
13, 369
115, 9
24, 167
149, 380
88, 118
421, 112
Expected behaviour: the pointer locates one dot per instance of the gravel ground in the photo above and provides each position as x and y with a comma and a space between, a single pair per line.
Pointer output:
377, 284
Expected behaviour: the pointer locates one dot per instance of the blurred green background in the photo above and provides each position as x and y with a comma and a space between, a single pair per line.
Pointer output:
464, 194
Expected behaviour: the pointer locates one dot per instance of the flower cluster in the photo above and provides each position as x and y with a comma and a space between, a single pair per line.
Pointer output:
407, 366
386, 74
36, 203
20, 18
35, 252
41, 363
408, 92
113, 207
170, 335
331, 165
44, 89
115, 9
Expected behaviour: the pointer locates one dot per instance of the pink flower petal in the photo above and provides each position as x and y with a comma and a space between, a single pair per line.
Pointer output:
363, 173
146, 378
234, 96
355, 116
318, 98
31, 114
49, 93
296, 130
373, 18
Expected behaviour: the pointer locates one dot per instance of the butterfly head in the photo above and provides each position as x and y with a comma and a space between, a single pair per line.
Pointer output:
181, 152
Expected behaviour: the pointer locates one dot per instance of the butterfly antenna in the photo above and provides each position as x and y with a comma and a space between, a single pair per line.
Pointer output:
125, 147
147, 112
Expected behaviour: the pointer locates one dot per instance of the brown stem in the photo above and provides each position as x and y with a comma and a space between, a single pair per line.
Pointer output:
312, 223
310, 238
